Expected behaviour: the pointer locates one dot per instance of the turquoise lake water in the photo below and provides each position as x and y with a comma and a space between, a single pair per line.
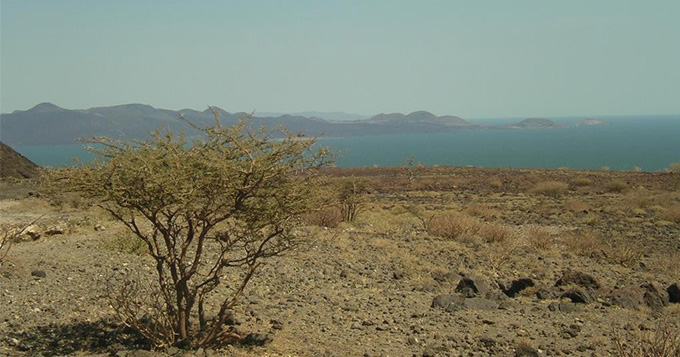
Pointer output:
650, 142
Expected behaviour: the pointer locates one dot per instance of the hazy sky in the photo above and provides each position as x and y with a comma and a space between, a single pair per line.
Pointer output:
470, 58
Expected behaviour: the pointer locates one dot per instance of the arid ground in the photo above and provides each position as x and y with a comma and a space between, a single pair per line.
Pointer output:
438, 262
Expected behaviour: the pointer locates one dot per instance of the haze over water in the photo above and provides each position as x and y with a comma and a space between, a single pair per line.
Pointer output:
650, 142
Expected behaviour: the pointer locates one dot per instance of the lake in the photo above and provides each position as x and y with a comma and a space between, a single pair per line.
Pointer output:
649, 142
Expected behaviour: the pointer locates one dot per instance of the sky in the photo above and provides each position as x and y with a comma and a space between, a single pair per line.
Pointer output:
486, 58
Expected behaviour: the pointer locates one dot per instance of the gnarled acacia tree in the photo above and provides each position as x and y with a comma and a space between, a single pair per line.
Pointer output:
208, 213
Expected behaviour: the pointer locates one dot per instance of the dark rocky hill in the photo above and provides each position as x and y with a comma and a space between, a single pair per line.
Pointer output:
15, 165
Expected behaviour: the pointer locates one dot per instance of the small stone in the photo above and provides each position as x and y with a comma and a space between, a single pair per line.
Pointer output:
256, 339
39, 273
56, 229
412, 340
276, 325
99, 228
524, 350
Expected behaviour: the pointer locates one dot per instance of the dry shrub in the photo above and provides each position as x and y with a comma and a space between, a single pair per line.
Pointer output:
539, 238
672, 214
329, 217
492, 233
616, 186
626, 253
662, 341
583, 242
550, 188
576, 206
482, 211
126, 243
500, 253
674, 168
453, 225
581, 182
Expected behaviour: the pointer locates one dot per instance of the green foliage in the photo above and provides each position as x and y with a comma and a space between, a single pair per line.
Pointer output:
207, 213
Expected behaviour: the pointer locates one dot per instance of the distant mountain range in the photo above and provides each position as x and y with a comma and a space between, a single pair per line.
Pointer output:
49, 124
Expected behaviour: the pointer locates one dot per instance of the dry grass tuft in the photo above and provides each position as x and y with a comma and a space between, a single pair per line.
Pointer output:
581, 182
616, 186
495, 233
482, 211
453, 225
329, 217
672, 214
550, 188
539, 238
663, 341
583, 243
576, 205
627, 253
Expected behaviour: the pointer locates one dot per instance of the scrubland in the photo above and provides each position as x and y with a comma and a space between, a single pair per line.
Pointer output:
432, 261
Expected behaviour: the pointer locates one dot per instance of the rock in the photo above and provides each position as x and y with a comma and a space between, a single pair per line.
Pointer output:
628, 298
276, 325
576, 295
256, 339
564, 307
441, 277
230, 320
673, 293
398, 274
56, 229
487, 341
655, 296
525, 350
412, 340
480, 304
31, 232
544, 294
571, 277
470, 287
39, 273
518, 285
571, 331
449, 303
99, 228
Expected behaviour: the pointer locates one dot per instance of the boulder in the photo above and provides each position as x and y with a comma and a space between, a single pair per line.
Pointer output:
579, 295
448, 302
584, 280
655, 296
517, 286
628, 298
477, 303
673, 293
472, 287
